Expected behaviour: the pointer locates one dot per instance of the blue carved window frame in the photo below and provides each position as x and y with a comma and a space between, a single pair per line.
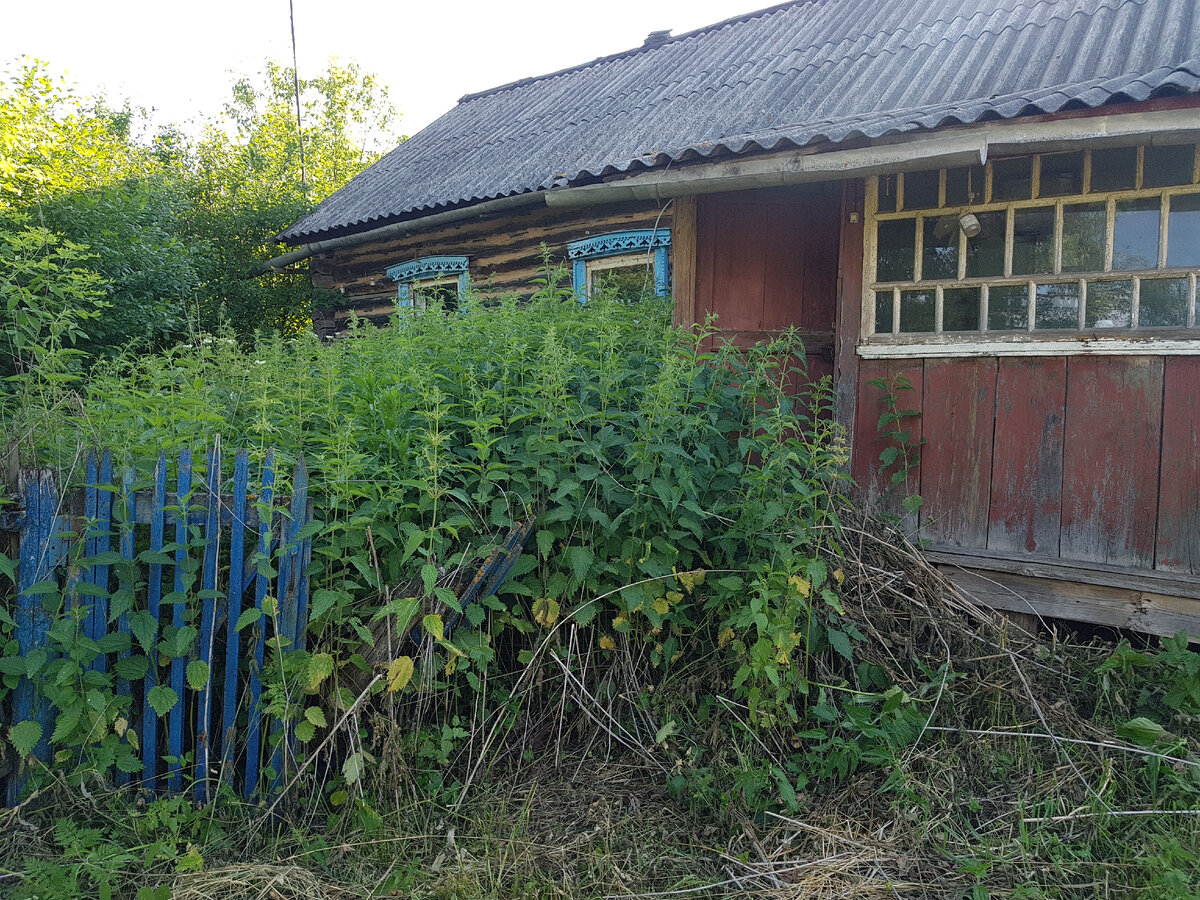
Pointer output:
428, 269
622, 243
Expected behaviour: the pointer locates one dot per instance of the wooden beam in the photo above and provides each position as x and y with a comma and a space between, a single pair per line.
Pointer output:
848, 316
1137, 610
683, 251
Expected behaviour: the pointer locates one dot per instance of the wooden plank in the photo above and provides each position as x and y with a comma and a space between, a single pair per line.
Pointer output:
153, 599
1112, 438
956, 462
208, 619
126, 587
875, 487
1142, 611
1068, 570
289, 623
183, 490
91, 502
683, 257
732, 234
262, 585
848, 318
1027, 463
237, 582
40, 552
1177, 547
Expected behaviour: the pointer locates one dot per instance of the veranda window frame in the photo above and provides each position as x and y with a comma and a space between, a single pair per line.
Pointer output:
1181, 339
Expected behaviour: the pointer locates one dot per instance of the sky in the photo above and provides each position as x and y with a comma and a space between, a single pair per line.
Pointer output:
178, 57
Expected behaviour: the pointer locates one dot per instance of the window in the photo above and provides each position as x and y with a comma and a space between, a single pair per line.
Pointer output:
421, 281
633, 264
1055, 248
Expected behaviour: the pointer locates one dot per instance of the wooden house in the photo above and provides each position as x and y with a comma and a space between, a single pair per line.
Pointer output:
996, 200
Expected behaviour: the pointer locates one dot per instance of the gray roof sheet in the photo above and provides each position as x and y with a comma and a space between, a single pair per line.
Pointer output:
788, 76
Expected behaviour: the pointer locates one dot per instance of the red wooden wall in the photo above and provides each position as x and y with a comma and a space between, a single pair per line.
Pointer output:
767, 260
1093, 459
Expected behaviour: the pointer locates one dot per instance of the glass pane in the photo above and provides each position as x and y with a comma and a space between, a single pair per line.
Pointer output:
1163, 303
894, 258
1165, 166
1083, 237
985, 252
1008, 307
627, 284
960, 309
1012, 179
920, 190
940, 256
883, 312
1057, 306
1062, 173
917, 310
1033, 241
1183, 231
1135, 239
965, 185
1109, 304
887, 193
1115, 169
427, 295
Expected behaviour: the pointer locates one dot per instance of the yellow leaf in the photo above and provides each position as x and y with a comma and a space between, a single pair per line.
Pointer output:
839, 576
607, 643
120, 726
433, 624
269, 606
726, 636
803, 587
131, 736
399, 673
545, 612
698, 576
661, 606
674, 596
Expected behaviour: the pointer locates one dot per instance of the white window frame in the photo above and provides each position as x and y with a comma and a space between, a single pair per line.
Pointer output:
1030, 342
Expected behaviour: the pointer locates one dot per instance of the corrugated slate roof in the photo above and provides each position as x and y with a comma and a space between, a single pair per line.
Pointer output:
788, 76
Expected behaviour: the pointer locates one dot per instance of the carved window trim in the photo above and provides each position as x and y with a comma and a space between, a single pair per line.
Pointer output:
649, 247
428, 271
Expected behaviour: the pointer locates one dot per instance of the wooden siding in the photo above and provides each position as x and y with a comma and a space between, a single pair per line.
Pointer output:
767, 260
1090, 460
504, 252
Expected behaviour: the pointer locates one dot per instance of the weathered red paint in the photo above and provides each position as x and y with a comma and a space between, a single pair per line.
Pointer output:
876, 487
1112, 438
956, 461
1027, 464
1178, 544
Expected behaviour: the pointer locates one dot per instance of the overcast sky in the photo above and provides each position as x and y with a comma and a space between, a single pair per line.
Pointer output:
177, 56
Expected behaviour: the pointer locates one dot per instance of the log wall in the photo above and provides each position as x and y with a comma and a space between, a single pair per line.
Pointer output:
503, 250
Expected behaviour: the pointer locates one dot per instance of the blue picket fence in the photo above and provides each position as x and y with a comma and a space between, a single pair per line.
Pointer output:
230, 552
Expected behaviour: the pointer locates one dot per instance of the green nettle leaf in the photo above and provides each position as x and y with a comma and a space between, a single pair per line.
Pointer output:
545, 540
434, 625
197, 674
352, 768
316, 716
429, 574
580, 560
161, 699
66, 723
1142, 731
113, 643
476, 614
320, 666
305, 731
129, 763
840, 642
24, 737
247, 618
132, 668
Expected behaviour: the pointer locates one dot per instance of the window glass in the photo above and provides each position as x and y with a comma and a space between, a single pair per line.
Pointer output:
917, 310
1135, 238
883, 312
1083, 237
1163, 303
965, 185
1183, 231
627, 284
1115, 169
896, 251
920, 190
985, 252
960, 309
1109, 304
940, 255
1033, 241
887, 193
1012, 179
1057, 306
1008, 307
1062, 174
1166, 166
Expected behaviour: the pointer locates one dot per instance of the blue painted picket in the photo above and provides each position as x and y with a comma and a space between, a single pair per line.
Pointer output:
221, 563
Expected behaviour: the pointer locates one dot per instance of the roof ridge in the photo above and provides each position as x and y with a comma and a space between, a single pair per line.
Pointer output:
634, 51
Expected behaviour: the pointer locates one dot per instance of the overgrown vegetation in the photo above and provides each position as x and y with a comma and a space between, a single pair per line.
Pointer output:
754, 686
